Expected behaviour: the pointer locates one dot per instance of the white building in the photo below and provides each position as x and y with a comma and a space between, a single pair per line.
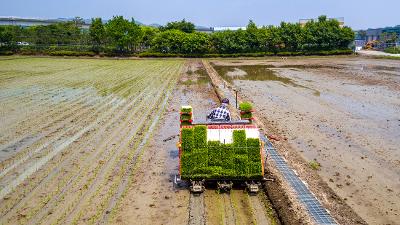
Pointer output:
27, 22
216, 29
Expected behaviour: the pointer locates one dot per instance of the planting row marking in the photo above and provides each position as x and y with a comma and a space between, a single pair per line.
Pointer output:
129, 170
93, 188
108, 124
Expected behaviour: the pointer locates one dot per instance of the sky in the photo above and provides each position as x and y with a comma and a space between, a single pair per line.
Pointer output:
357, 14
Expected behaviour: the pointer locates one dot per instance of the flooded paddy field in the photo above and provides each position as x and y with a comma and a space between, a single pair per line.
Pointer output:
93, 141
341, 114
86, 141
72, 132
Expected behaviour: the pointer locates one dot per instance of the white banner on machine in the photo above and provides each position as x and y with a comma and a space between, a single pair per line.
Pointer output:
224, 133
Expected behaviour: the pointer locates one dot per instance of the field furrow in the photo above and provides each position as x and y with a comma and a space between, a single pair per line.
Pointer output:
59, 108
101, 135
93, 141
66, 119
196, 210
111, 167
83, 147
132, 162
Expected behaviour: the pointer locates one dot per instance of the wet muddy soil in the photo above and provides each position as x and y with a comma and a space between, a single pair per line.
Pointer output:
153, 199
86, 141
343, 113
80, 129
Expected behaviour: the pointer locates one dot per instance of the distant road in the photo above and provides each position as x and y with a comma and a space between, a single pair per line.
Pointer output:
375, 53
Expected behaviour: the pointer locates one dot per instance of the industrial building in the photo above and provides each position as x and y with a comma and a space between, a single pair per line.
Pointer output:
369, 35
26, 22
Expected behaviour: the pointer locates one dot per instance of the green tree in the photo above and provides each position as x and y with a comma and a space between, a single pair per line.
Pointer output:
7, 38
291, 36
169, 41
7, 35
387, 37
346, 37
68, 32
196, 43
273, 39
41, 35
253, 37
324, 34
147, 37
317, 33
124, 35
183, 25
97, 33
78, 21
230, 41
65, 33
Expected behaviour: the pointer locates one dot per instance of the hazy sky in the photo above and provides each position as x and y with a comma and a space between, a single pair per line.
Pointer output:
358, 14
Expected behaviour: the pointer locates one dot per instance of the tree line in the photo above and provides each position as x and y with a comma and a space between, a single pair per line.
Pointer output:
122, 36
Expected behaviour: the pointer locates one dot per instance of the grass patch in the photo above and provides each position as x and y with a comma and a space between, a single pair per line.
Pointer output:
71, 53
385, 57
393, 50
245, 106
314, 165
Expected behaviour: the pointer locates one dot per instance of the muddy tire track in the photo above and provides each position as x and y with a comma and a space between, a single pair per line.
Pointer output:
259, 210
196, 210
230, 217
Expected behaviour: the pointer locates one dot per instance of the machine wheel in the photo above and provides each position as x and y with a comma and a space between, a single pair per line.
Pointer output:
253, 187
225, 186
197, 187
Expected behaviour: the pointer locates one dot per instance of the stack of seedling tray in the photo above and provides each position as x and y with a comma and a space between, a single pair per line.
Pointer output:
213, 160
186, 115
246, 111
